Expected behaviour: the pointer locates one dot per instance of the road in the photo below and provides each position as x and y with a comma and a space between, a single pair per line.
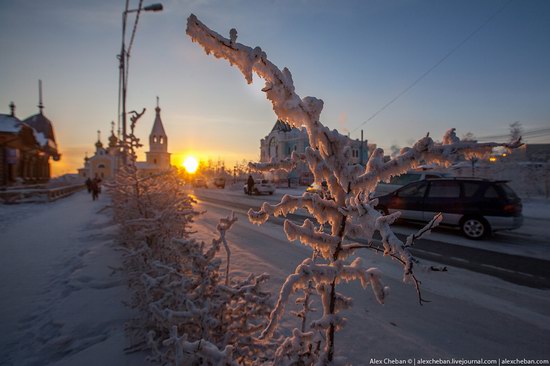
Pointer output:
519, 265
471, 315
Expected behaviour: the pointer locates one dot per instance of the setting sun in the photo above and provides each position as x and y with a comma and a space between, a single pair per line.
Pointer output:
191, 164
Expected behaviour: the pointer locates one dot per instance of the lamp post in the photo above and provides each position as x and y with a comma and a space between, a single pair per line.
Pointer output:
123, 58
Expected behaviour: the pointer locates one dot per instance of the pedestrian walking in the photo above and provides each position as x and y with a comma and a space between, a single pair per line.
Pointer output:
96, 188
250, 184
89, 185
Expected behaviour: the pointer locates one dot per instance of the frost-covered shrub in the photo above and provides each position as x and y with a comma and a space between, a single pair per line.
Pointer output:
350, 214
189, 310
179, 285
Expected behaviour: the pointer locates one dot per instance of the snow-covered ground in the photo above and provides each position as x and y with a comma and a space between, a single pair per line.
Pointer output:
60, 298
61, 303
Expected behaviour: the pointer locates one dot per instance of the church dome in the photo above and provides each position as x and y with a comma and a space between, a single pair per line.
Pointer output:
113, 140
41, 124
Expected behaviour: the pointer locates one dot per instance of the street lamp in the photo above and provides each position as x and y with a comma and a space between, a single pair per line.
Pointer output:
123, 58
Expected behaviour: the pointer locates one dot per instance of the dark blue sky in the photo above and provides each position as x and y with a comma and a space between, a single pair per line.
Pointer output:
355, 55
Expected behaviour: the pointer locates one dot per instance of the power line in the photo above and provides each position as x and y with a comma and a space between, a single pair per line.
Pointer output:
453, 50
541, 132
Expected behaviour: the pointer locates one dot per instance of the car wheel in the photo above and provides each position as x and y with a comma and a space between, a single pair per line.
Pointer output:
256, 192
245, 191
475, 228
270, 193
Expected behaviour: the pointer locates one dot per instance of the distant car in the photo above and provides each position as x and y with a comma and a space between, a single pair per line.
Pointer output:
401, 180
320, 189
199, 183
477, 206
261, 186
219, 182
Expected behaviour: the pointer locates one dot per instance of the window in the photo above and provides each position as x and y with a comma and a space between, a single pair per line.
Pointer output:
161, 140
470, 189
415, 190
404, 179
491, 192
444, 189
507, 190
154, 161
101, 166
155, 139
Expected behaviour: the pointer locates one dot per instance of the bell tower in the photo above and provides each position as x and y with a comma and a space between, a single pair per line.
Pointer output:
158, 154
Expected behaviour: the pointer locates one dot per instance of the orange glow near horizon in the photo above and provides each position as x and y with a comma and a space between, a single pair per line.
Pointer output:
191, 164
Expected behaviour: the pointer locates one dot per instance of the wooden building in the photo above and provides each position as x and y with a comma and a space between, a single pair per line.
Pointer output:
26, 148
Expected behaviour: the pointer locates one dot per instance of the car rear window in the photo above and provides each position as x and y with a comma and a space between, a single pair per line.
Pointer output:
507, 190
444, 189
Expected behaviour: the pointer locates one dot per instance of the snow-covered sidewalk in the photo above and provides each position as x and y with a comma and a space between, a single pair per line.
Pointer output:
60, 299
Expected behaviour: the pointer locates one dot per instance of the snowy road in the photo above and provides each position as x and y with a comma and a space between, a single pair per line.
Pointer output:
471, 315
60, 303
515, 256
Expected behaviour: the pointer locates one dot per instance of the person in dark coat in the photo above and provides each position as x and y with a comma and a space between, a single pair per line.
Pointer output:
89, 185
250, 184
96, 188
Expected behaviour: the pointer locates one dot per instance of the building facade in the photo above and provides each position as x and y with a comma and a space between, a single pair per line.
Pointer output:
26, 148
106, 161
283, 139
157, 159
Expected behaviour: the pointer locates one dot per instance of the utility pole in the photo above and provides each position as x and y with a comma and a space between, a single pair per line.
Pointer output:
361, 149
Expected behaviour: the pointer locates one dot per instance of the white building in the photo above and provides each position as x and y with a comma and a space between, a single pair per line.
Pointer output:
106, 161
158, 157
283, 139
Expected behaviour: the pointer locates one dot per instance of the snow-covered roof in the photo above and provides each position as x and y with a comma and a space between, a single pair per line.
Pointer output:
41, 124
9, 124
281, 126
42, 140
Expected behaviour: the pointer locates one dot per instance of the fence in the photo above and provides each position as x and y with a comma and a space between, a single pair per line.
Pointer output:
23, 195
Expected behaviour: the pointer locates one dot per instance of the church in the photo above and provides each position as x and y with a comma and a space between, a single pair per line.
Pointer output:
107, 160
26, 147
283, 139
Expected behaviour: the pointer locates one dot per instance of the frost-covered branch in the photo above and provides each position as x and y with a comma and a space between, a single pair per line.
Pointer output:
350, 213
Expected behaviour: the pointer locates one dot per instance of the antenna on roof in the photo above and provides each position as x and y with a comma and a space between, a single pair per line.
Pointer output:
40, 105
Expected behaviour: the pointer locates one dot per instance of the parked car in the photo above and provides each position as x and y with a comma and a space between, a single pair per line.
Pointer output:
477, 206
261, 186
219, 182
401, 180
199, 183
320, 189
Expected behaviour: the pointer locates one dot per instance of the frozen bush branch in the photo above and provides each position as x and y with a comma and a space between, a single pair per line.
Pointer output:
351, 214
